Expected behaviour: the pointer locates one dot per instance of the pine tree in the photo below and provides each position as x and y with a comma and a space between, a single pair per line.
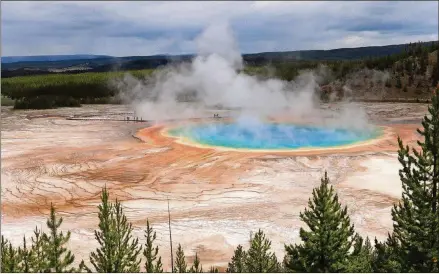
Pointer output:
414, 244
10, 258
13, 259
38, 260
213, 269
118, 251
102, 260
4, 253
180, 261
398, 82
326, 245
399, 67
150, 253
409, 66
259, 258
360, 260
423, 61
25, 255
237, 265
385, 257
196, 267
410, 82
435, 75
128, 248
59, 257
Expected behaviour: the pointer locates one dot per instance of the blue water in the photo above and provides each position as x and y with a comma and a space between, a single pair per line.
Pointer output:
270, 135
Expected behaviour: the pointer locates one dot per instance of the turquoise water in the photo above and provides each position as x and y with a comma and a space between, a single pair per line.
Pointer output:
270, 135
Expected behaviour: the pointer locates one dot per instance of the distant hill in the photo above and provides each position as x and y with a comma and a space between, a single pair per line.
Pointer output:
18, 66
49, 58
334, 54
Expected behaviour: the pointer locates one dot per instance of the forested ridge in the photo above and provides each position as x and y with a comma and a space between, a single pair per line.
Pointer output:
411, 74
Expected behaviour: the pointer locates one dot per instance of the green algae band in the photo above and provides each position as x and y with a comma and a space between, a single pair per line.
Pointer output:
270, 136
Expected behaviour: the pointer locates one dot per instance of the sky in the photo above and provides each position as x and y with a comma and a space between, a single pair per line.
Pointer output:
153, 27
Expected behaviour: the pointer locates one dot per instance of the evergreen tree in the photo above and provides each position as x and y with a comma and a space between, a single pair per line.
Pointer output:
197, 267
25, 256
435, 75
259, 258
433, 46
118, 251
10, 258
409, 66
39, 259
59, 257
213, 269
399, 67
4, 253
423, 61
326, 246
237, 265
414, 244
150, 253
385, 257
128, 248
398, 82
13, 259
360, 260
102, 260
410, 82
180, 261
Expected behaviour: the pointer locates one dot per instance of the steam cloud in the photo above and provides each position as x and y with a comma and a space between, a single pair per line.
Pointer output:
213, 79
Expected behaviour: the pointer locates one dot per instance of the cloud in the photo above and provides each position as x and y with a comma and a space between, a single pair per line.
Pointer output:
146, 28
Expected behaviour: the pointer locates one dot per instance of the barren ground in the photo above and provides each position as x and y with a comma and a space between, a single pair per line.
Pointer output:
216, 197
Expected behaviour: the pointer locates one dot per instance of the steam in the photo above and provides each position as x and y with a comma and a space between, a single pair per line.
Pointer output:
218, 39
214, 79
374, 80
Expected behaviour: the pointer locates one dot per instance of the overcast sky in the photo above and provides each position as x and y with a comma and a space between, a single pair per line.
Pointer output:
148, 28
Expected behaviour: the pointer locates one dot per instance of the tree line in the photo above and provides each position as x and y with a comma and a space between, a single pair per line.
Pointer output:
329, 242
65, 90
71, 90
413, 60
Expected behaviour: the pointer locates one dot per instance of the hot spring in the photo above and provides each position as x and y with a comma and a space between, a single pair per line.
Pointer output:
270, 136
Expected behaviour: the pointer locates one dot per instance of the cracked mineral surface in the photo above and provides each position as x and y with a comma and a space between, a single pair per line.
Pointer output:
217, 197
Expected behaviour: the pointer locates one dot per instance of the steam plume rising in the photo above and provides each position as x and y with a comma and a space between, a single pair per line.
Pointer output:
213, 78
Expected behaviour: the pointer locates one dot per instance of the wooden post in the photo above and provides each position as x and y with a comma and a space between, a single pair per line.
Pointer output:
170, 238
